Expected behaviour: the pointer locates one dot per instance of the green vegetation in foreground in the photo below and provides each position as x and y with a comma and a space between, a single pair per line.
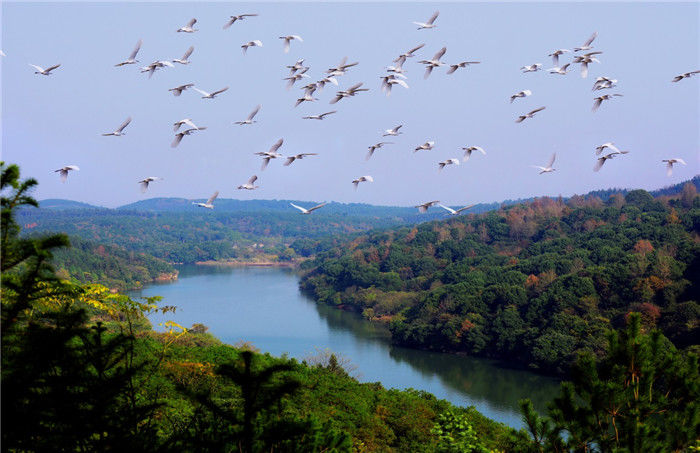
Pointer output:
534, 284
110, 265
83, 371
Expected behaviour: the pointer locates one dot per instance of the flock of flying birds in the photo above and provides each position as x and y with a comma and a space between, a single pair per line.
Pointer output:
394, 76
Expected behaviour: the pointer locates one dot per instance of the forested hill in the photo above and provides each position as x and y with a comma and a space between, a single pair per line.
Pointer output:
533, 283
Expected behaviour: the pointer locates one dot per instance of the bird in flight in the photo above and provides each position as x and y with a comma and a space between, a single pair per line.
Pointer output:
555, 55
349, 92
468, 152
233, 19
206, 95
249, 120
271, 154
188, 28
602, 83
599, 100
401, 59
42, 71
548, 168
179, 135
209, 204
375, 147
63, 172
391, 80
685, 75
560, 70
584, 60
186, 121
601, 148
433, 62
587, 44
425, 146
288, 39
342, 68
184, 59
522, 118
392, 132
430, 23
453, 161
319, 117
520, 94
463, 64
423, 208
145, 181
119, 131
670, 162
310, 210
356, 182
177, 91
532, 68
254, 43
132, 58
291, 159
151, 68
455, 211
601, 160
249, 185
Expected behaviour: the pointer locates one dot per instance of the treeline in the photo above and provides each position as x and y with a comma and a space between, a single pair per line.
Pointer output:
535, 284
110, 265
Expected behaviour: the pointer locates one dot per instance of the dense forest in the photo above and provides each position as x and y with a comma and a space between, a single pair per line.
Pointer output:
83, 371
110, 265
535, 283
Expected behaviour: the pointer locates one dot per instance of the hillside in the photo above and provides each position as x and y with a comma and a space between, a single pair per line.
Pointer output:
533, 284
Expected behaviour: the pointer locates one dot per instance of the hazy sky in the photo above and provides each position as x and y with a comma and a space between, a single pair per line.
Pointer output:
48, 122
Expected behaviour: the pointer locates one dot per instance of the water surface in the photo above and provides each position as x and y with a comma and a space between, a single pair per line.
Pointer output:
265, 307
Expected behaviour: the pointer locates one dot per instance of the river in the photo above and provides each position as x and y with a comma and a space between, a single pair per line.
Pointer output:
265, 307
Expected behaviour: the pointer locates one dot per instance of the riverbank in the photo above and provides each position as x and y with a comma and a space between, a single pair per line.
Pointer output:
237, 263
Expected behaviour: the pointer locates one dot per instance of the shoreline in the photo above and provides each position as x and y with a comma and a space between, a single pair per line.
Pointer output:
290, 264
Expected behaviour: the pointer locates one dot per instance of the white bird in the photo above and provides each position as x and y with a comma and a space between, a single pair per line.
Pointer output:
271, 154
391, 80
288, 39
522, 118
254, 43
42, 71
235, 18
392, 132
670, 162
599, 100
206, 95
357, 181
424, 146
463, 64
64, 171
685, 75
186, 121
298, 66
349, 92
318, 117
305, 98
151, 68
587, 44
560, 70
179, 135
601, 148
555, 55
422, 208
310, 210
430, 23
532, 68
548, 168
291, 159
601, 160
144, 182
132, 58
209, 204
602, 83
119, 131
252, 114
177, 91
249, 185
468, 152
402, 58
453, 161
521, 94
584, 60
375, 147
2, 54
184, 59
322, 83
298, 76
188, 28
434, 62
396, 69
455, 211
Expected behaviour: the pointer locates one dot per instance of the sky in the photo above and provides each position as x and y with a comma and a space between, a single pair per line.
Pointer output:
49, 122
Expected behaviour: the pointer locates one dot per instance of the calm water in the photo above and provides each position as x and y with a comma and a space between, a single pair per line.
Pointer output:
264, 306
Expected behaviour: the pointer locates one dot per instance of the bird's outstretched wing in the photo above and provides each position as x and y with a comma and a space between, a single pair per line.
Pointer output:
433, 17
177, 140
276, 146
213, 197
299, 208
317, 207
136, 50
450, 210
551, 160
188, 53
219, 91
590, 40
124, 124
254, 112
191, 22
252, 179
440, 53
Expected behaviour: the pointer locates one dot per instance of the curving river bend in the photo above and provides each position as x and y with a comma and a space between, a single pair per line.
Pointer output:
265, 307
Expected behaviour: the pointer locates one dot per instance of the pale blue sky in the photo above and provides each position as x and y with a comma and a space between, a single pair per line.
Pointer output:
48, 122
